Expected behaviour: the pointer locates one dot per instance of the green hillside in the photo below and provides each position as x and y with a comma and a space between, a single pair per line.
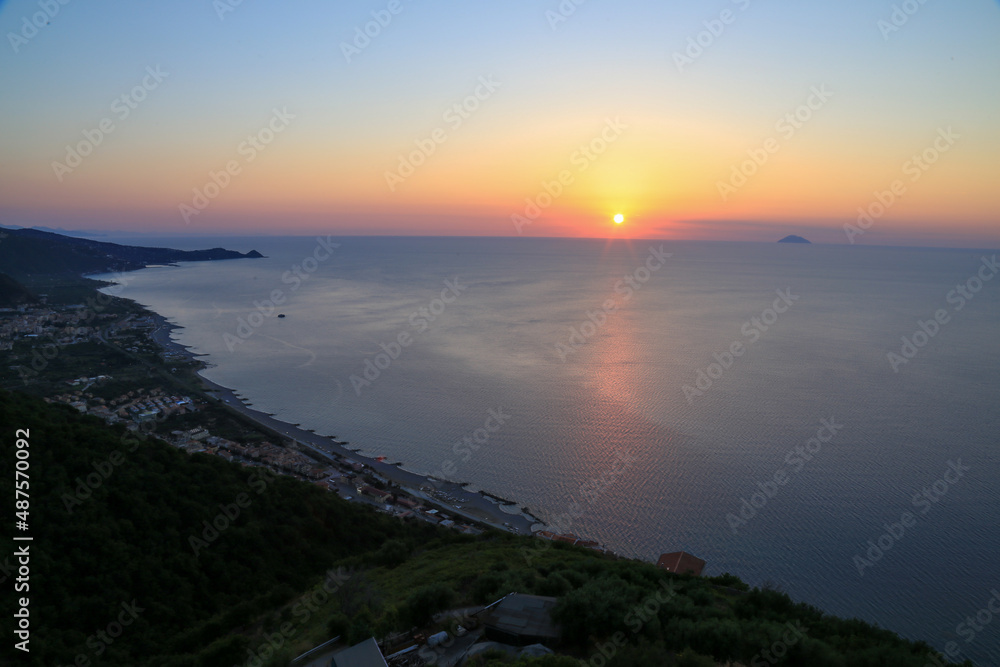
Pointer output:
117, 519
123, 533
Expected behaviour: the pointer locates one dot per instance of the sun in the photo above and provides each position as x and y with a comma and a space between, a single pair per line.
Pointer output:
619, 219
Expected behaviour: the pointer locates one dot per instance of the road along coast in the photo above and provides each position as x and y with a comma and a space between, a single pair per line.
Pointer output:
481, 507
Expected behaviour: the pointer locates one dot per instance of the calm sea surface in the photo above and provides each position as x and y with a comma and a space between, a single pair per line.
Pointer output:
586, 348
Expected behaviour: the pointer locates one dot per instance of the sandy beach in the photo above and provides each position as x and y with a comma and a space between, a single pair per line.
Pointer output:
450, 496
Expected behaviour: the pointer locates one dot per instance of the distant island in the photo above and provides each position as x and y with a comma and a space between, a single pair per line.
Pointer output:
794, 239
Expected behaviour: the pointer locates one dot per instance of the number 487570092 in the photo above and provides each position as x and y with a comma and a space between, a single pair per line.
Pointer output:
23, 454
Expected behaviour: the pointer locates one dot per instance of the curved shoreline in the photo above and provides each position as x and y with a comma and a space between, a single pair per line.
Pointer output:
481, 507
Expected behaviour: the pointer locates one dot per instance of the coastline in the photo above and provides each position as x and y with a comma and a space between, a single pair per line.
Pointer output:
479, 506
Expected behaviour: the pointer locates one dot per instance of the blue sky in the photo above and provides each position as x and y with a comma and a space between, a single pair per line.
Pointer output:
558, 82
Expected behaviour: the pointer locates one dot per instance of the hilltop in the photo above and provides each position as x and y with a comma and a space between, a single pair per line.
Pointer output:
29, 253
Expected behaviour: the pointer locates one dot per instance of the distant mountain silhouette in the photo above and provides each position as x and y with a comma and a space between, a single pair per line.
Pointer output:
794, 239
64, 232
27, 253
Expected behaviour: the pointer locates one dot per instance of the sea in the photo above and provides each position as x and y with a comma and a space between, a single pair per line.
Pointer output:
822, 419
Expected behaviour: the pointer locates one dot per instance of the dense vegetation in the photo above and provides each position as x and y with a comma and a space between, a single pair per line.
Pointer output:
13, 293
116, 519
298, 565
640, 615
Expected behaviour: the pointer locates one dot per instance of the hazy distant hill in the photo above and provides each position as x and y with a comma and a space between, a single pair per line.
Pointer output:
794, 239
26, 253
13, 293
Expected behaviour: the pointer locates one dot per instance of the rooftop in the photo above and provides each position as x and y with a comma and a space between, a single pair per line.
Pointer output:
522, 616
681, 562
365, 654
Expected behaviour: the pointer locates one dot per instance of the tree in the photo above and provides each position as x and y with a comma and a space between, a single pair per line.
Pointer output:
423, 603
392, 553
596, 610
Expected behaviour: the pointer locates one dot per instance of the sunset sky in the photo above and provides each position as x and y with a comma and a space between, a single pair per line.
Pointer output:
326, 129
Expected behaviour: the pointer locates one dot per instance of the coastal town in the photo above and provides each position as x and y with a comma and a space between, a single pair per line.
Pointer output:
66, 326
144, 403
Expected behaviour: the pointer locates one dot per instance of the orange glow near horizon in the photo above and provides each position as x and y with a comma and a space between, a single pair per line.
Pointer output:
671, 185
374, 146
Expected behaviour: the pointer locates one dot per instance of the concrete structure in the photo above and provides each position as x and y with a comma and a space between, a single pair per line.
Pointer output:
521, 620
365, 654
